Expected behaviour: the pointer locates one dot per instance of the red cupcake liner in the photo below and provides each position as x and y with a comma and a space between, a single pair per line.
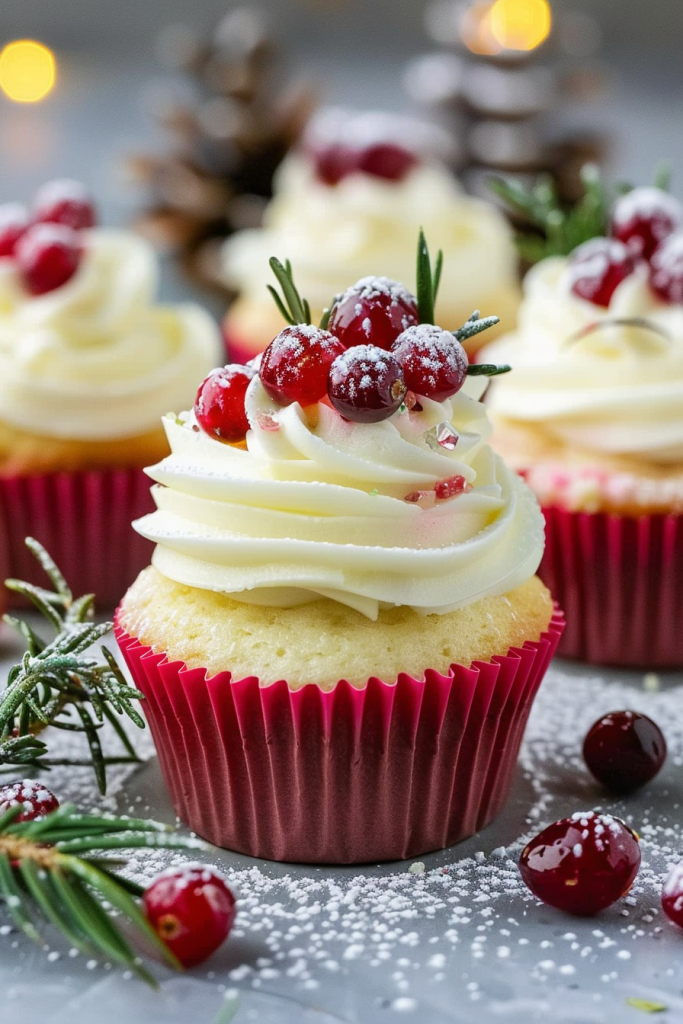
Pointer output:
619, 580
83, 519
345, 776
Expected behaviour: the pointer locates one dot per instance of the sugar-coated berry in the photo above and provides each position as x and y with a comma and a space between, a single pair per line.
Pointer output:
624, 750
48, 256
666, 269
433, 360
36, 799
295, 365
366, 384
581, 864
219, 405
64, 202
644, 217
192, 910
374, 311
672, 895
14, 221
598, 267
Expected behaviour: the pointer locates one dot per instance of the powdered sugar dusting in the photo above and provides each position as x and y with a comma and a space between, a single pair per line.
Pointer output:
371, 288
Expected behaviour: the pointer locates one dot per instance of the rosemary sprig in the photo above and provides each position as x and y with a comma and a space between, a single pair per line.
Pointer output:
51, 868
293, 307
475, 325
57, 684
428, 280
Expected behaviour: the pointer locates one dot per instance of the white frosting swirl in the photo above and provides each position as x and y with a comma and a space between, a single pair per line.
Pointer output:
319, 509
97, 358
614, 390
335, 235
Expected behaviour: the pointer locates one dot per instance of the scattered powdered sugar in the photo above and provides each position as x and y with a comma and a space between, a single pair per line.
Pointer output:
372, 288
645, 203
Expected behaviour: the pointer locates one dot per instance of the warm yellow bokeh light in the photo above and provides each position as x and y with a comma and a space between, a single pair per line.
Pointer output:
27, 71
521, 24
476, 30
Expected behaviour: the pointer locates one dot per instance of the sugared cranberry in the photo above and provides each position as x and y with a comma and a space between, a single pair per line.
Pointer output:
192, 910
645, 217
366, 384
219, 405
672, 895
64, 202
36, 799
433, 360
624, 750
374, 311
386, 160
48, 256
598, 267
666, 269
13, 223
581, 864
295, 365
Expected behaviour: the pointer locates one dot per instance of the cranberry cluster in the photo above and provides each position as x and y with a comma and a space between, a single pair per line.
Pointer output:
45, 242
646, 227
373, 355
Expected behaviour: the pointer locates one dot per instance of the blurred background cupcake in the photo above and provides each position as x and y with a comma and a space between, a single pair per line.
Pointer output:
593, 416
88, 361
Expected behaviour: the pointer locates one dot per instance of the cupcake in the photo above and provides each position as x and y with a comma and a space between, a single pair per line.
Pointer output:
353, 199
89, 361
341, 633
593, 417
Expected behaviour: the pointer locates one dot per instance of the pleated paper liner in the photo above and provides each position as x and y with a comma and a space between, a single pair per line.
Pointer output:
83, 519
345, 776
620, 583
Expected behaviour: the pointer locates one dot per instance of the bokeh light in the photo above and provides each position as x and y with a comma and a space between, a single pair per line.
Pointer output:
476, 29
520, 24
28, 71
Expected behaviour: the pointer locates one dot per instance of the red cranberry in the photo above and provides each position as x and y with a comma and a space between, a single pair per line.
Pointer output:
645, 217
295, 365
672, 895
64, 202
366, 384
581, 864
48, 256
386, 160
219, 405
333, 162
598, 267
192, 910
624, 750
433, 360
374, 311
13, 223
666, 269
36, 799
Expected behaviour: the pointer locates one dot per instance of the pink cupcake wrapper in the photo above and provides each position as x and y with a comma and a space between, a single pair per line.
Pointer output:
619, 580
83, 519
344, 776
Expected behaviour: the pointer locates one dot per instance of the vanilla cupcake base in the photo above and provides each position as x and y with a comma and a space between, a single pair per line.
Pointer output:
249, 327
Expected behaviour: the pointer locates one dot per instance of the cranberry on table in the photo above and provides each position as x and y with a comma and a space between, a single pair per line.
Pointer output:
644, 217
672, 895
598, 267
192, 910
374, 311
48, 256
295, 365
666, 269
581, 864
64, 202
624, 750
14, 221
219, 405
37, 800
433, 360
366, 384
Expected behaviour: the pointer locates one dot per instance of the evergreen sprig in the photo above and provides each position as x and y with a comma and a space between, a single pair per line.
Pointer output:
428, 280
57, 684
294, 308
475, 325
53, 868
